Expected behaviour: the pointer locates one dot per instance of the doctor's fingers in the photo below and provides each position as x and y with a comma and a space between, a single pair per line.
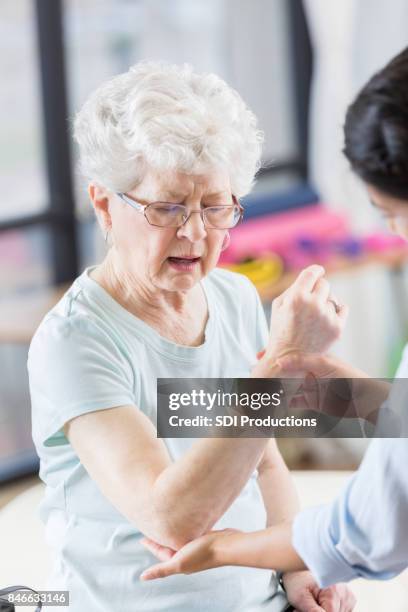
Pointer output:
161, 570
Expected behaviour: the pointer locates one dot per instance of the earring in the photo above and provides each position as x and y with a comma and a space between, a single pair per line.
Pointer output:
106, 235
226, 242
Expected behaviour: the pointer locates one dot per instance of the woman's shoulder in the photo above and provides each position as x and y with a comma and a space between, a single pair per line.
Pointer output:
71, 319
74, 342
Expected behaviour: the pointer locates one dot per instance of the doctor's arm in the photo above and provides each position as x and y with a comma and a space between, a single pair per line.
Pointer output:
357, 535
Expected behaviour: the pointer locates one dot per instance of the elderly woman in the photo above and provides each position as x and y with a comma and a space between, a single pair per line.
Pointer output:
168, 153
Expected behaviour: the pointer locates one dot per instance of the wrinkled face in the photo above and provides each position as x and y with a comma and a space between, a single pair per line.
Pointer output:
153, 255
394, 210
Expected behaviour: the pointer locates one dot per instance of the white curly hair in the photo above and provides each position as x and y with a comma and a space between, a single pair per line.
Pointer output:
166, 117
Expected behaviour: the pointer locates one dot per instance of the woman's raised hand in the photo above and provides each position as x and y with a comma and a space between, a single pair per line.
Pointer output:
305, 319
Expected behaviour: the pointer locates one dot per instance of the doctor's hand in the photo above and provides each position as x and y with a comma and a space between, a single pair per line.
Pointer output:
355, 395
306, 596
299, 365
304, 319
196, 556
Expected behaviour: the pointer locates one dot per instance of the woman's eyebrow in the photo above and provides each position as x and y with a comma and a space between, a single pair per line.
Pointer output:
161, 195
174, 194
216, 194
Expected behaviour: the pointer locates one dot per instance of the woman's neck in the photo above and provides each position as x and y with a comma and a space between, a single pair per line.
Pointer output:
138, 297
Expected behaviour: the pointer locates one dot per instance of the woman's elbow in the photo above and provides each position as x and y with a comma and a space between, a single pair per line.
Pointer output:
170, 524
169, 531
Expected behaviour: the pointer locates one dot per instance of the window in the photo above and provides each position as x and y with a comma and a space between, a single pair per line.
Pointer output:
22, 180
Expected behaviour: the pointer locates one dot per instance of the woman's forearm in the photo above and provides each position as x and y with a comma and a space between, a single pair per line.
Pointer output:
191, 494
277, 486
269, 549
170, 501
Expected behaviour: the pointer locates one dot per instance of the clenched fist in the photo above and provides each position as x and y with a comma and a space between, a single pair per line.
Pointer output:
304, 319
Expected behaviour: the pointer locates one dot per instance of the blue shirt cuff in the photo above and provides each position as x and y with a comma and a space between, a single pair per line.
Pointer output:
312, 541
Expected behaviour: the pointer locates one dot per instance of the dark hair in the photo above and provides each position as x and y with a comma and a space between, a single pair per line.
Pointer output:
376, 129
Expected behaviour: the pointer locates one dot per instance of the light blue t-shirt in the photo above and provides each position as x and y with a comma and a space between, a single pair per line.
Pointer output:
89, 354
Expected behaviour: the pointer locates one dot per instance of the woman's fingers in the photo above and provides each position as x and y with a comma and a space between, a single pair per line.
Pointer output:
304, 320
308, 278
302, 285
161, 570
343, 312
321, 290
311, 280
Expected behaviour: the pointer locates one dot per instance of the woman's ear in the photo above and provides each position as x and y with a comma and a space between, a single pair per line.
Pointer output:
100, 199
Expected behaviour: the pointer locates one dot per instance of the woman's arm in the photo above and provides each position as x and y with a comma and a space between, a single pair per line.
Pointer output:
171, 502
277, 486
174, 502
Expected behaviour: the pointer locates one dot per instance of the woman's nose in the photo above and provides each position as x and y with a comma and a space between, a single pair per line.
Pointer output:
193, 228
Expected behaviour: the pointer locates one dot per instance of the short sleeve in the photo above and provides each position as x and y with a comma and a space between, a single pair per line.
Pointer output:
74, 368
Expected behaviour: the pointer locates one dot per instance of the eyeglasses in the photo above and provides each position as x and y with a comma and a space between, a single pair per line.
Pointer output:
165, 214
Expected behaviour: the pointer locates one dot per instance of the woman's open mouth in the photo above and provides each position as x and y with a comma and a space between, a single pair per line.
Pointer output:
183, 264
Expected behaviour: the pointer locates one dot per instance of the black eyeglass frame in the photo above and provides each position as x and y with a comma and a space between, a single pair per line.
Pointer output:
142, 207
